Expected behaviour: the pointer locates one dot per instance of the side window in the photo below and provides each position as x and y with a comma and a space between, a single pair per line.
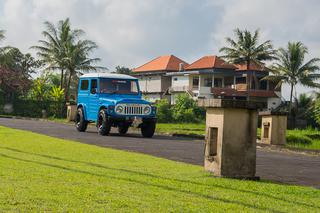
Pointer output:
94, 86
84, 85
134, 87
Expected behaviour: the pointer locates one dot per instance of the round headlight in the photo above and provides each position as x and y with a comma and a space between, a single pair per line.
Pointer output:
119, 109
147, 110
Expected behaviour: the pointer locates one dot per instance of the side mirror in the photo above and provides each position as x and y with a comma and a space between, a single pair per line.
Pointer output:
93, 91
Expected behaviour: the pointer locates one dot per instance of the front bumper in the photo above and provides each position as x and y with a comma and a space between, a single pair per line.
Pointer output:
130, 118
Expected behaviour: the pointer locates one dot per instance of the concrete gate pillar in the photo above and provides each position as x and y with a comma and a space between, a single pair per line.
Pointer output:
71, 112
273, 127
231, 131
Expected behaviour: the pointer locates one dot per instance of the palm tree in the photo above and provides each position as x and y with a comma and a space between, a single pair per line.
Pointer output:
247, 50
77, 60
291, 69
52, 50
63, 50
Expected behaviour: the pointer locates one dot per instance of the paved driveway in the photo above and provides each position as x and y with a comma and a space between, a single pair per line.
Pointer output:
280, 167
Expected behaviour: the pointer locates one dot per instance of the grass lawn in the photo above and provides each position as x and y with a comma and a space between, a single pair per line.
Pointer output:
305, 139
41, 173
184, 128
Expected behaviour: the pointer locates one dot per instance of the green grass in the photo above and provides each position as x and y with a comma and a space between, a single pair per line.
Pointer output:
41, 173
303, 139
184, 128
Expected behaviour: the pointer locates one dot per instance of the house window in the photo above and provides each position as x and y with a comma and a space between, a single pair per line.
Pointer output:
175, 79
208, 82
195, 81
84, 85
218, 82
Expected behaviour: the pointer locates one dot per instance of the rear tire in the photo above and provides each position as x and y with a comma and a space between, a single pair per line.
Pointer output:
123, 129
80, 122
103, 124
148, 129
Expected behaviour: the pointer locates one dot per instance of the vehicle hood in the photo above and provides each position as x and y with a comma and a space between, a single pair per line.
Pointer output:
123, 101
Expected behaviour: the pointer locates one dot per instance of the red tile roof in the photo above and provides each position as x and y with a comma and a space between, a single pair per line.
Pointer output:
162, 63
253, 66
209, 62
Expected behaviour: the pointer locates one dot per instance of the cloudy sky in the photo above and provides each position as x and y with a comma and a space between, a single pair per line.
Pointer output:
131, 32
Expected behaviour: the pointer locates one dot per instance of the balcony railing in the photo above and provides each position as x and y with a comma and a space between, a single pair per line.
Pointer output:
227, 91
243, 93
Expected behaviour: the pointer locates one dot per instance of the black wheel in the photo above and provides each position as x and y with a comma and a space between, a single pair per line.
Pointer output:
123, 129
103, 125
81, 124
148, 128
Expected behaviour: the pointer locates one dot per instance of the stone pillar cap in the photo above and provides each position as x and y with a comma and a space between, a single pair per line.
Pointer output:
225, 103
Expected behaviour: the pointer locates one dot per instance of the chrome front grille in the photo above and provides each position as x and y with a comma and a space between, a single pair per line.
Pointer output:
133, 110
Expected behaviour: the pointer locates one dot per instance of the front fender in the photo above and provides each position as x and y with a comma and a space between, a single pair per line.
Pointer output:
84, 108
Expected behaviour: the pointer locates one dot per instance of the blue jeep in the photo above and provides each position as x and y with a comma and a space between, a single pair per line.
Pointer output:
113, 100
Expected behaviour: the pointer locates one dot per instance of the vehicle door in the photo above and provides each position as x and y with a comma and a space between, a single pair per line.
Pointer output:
93, 99
83, 91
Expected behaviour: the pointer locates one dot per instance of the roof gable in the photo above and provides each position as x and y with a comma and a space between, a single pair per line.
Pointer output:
209, 62
162, 63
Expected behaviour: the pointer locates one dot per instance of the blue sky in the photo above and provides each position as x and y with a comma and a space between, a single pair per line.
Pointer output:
131, 32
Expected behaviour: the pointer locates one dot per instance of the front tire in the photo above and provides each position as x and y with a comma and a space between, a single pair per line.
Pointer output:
80, 122
123, 129
103, 124
148, 129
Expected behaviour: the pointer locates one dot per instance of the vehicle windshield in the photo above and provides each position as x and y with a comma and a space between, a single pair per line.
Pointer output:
118, 86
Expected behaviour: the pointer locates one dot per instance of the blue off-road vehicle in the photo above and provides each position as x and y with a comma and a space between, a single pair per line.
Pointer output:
113, 100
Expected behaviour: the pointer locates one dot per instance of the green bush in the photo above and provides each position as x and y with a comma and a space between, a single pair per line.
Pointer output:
299, 139
186, 110
164, 113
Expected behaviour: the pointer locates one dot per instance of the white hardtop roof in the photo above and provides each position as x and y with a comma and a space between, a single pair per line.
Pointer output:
107, 75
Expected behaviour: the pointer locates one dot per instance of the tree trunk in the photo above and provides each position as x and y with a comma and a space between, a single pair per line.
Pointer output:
61, 79
68, 88
292, 115
290, 103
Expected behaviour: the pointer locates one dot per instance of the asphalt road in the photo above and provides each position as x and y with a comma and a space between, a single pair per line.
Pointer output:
276, 166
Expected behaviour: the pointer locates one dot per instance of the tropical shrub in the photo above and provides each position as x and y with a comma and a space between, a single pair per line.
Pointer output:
186, 110
57, 94
164, 113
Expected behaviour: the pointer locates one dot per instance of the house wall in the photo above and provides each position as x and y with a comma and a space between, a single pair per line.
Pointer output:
150, 83
180, 81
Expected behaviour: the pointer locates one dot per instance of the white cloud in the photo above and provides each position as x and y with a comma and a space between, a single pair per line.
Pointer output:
130, 32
